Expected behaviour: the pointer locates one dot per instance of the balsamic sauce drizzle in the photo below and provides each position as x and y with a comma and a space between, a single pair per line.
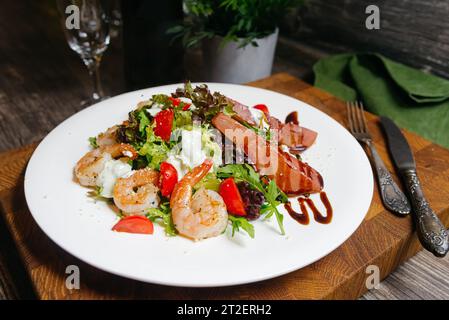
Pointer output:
303, 216
292, 117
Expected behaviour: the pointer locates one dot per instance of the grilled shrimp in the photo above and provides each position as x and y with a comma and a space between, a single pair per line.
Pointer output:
107, 138
202, 216
138, 192
92, 163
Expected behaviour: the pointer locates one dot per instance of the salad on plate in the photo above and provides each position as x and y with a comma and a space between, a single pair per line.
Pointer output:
196, 162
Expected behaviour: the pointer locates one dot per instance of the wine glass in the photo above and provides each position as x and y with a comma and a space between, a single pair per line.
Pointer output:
116, 20
86, 27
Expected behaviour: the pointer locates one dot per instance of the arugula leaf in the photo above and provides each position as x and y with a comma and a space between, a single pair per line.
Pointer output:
273, 195
240, 222
242, 172
93, 142
273, 191
163, 215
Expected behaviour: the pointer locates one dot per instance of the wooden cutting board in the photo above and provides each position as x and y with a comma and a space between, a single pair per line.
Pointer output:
383, 239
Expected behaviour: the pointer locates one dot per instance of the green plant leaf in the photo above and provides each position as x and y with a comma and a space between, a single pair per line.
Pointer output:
175, 29
234, 20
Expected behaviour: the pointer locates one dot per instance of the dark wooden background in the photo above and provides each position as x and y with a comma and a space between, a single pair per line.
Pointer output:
415, 32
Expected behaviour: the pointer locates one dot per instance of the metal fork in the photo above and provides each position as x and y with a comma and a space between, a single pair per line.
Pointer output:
392, 197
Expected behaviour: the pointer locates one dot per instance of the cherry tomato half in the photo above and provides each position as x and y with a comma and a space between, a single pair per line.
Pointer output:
263, 108
168, 179
232, 198
176, 102
134, 224
164, 122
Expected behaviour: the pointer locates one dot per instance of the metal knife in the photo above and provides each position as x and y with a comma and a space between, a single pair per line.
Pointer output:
431, 231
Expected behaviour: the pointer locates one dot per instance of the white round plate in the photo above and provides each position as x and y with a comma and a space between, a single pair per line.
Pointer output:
82, 226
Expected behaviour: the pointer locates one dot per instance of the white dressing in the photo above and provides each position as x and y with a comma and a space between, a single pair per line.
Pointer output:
192, 151
154, 110
191, 147
107, 178
185, 100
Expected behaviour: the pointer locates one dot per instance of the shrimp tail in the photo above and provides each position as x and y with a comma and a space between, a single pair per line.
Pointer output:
192, 178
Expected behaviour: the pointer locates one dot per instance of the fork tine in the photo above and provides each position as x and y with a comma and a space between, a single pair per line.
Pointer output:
359, 116
348, 112
362, 109
352, 107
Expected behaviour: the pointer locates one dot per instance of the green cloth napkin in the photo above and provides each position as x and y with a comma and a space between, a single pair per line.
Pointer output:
413, 99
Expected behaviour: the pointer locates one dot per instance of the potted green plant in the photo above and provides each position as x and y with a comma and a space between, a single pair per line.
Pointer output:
238, 37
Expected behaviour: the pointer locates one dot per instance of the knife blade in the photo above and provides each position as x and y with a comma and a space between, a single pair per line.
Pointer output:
431, 231
399, 148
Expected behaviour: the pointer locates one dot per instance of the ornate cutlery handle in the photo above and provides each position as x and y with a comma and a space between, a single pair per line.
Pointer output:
431, 231
392, 197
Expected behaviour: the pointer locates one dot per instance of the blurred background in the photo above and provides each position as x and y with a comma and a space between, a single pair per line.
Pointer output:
35, 58
140, 53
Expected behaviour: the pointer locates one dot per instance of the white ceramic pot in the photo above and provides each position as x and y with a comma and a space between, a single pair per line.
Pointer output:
232, 64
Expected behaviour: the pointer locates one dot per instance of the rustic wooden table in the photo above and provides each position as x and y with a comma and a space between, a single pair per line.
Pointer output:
41, 84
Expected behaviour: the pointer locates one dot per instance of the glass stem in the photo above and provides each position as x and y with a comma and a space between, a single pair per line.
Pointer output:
93, 65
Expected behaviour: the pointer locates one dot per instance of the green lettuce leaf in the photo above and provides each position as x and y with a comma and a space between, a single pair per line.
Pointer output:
154, 149
93, 142
162, 214
210, 182
144, 121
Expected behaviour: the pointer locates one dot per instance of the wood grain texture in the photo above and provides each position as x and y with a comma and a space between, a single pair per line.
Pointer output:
418, 278
411, 31
382, 239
